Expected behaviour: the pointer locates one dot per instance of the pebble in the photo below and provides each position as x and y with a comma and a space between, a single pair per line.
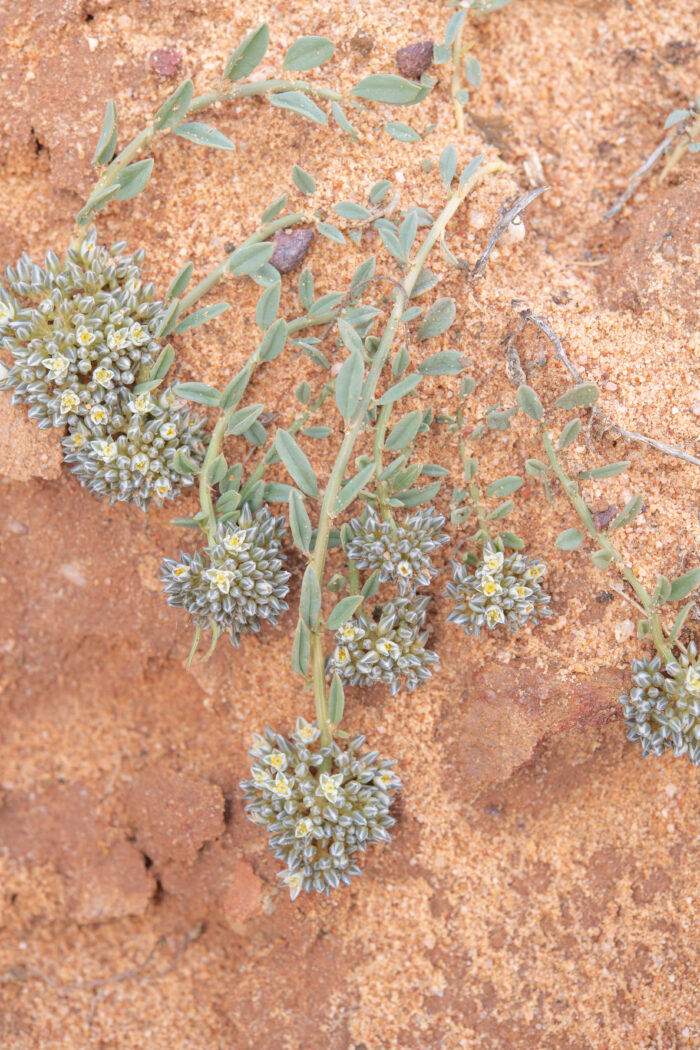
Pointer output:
412, 61
166, 62
291, 247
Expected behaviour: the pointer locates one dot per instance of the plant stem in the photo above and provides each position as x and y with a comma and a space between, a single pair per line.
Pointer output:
357, 421
382, 487
571, 489
456, 79
220, 271
479, 510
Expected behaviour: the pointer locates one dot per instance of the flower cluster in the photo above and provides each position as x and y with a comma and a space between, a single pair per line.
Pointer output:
83, 333
319, 807
401, 553
500, 590
235, 582
390, 649
131, 455
662, 708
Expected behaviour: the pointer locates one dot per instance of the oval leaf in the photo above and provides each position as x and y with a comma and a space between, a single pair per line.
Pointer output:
628, 513
200, 393
348, 385
683, 585
300, 104
174, 109
394, 90
529, 403
504, 487
405, 431
343, 611
249, 54
104, 151
133, 179
353, 487
204, 135
438, 319
569, 539
581, 396
296, 463
569, 434
207, 313
401, 132
336, 699
303, 181
446, 363
299, 522
310, 598
308, 52
399, 390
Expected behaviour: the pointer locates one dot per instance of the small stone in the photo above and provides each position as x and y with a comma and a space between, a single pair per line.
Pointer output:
242, 899
291, 247
602, 518
624, 630
413, 60
166, 62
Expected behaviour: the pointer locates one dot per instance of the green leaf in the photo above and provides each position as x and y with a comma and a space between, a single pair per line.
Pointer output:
438, 319
277, 492
273, 210
180, 281
299, 522
303, 392
363, 274
249, 258
569, 539
199, 317
243, 419
200, 393
303, 181
183, 464
472, 71
217, 470
308, 52
342, 121
379, 191
343, 611
158, 371
448, 165
318, 432
467, 387
327, 302
407, 234
235, 389
348, 385
583, 395
306, 288
228, 502
509, 539
414, 497
504, 487
536, 468
662, 590
470, 466
204, 135
299, 104
391, 89
569, 434
104, 151
353, 487
680, 620
471, 169
676, 117
185, 523
401, 132
628, 513
96, 202
371, 585
301, 649
683, 585
175, 107
169, 319
327, 229
249, 54
426, 280
399, 390
273, 341
529, 403
268, 305
296, 463
441, 54
601, 559
336, 700
133, 179
501, 511
453, 27
433, 470
310, 598
350, 210
611, 470
405, 431
445, 363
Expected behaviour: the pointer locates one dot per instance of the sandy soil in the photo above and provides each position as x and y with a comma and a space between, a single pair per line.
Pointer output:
542, 890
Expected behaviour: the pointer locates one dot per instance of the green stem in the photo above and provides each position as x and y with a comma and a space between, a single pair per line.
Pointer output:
479, 510
456, 79
571, 490
220, 271
382, 486
356, 422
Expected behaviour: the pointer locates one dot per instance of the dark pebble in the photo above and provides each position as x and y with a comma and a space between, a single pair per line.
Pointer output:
602, 518
412, 61
165, 62
291, 247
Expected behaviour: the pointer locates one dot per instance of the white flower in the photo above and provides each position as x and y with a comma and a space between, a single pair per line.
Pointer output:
140, 462
303, 828
261, 775
306, 731
294, 881
520, 592
7, 312
235, 542
141, 403
386, 779
341, 655
69, 401
168, 431
103, 376
329, 785
98, 414
489, 587
389, 648
58, 365
220, 578
84, 336
181, 570
276, 759
493, 562
494, 615
106, 450
117, 340
349, 632
162, 487
534, 572
692, 681
281, 786
78, 439
138, 334
404, 570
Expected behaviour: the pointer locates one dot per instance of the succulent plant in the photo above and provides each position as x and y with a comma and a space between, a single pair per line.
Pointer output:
389, 649
235, 582
128, 451
319, 807
501, 590
79, 331
662, 708
402, 552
